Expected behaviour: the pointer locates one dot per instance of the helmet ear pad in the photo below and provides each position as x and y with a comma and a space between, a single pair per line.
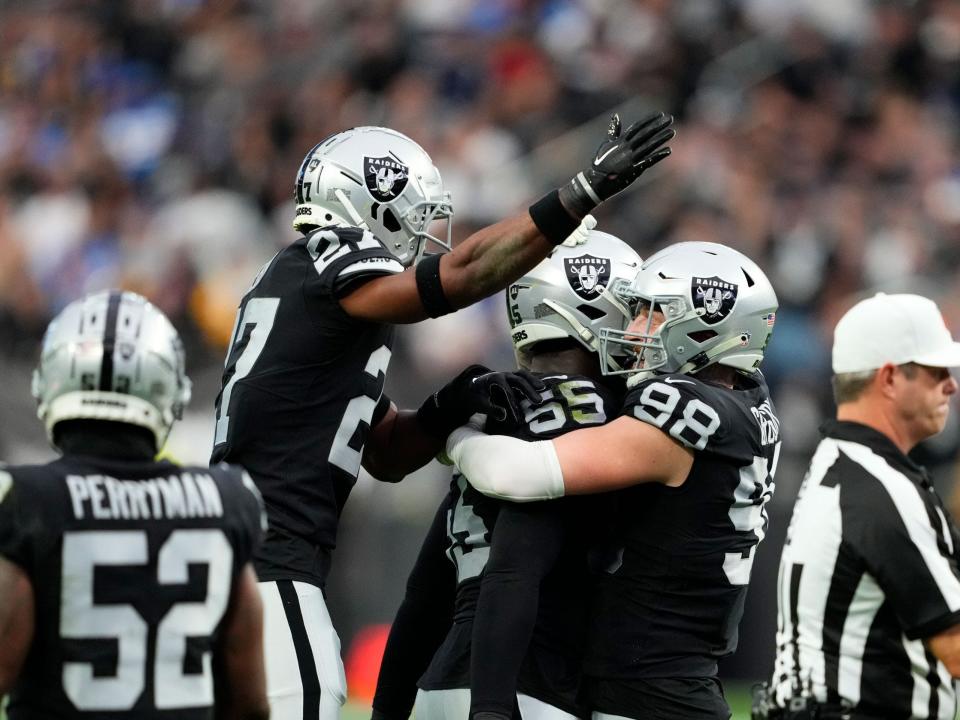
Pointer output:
375, 178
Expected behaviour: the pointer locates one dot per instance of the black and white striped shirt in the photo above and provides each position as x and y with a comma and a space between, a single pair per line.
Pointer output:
868, 572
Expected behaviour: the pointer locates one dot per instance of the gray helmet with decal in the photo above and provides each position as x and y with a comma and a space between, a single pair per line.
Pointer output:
568, 293
379, 179
112, 356
717, 305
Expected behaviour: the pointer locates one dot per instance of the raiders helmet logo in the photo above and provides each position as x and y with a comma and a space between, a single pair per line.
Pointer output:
587, 275
385, 177
715, 297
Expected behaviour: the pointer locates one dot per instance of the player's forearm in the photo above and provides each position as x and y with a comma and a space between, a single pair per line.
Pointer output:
240, 681
526, 544
506, 616
491, 259
394, 451
421, 623
506, 468
16, 622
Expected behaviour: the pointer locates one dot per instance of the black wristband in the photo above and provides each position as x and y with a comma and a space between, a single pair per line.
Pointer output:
552, 219
430, 288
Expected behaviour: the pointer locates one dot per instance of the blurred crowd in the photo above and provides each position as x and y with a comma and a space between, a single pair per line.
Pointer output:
153, 144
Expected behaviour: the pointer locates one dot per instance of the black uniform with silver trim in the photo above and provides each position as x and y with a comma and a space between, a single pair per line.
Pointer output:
132, 566
301, 387
672, 594
869, 570
551, 663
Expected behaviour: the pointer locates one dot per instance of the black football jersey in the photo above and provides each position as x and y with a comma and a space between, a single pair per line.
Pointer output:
672, 591
132, 566
300, 385
550, 670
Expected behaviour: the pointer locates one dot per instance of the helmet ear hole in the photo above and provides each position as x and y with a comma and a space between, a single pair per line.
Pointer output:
390, 221
701, 336
594, 313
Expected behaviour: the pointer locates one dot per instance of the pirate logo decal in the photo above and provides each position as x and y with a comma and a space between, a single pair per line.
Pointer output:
713, 298
385, 177
587, 275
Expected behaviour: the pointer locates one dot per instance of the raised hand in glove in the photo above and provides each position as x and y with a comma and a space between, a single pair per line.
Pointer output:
619, 160
479, 390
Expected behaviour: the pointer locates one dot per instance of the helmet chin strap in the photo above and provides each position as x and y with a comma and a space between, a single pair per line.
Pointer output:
614, 300
583, 332
351, 210
708, 355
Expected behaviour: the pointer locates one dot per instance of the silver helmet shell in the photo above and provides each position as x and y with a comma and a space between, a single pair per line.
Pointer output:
379, 179
718, 307
568, 294
112, 356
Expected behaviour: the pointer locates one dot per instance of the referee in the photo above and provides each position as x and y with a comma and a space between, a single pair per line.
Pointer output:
869, 588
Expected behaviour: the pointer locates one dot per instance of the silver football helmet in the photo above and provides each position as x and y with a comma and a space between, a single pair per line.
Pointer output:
568, 294
379, 179
717, 307
112, 356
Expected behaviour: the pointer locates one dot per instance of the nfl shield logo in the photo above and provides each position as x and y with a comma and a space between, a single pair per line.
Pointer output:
587, 275
715, 297
385, 177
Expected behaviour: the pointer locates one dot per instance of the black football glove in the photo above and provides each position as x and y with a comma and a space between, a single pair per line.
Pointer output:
479, 390
619, 160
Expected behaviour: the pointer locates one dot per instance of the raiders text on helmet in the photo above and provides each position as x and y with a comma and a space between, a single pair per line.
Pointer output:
568, 294
717, 305
112, 356
379, 179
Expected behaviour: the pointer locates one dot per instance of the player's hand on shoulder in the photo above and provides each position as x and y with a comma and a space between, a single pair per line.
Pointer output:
479, 390
504, 392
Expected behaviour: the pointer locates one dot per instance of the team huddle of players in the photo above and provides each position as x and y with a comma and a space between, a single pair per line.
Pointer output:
131, 587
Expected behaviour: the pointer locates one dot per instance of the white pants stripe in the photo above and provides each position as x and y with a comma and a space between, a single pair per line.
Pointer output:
454, 704
305, 679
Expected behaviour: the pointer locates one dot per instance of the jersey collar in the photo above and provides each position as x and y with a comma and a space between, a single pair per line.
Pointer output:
878, 443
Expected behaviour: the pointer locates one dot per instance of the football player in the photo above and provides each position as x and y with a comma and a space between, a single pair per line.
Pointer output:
693, 452
516, 574
126, 584
303, 379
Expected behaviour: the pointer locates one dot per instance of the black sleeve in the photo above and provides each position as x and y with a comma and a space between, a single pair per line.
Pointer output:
526, 544
421, 623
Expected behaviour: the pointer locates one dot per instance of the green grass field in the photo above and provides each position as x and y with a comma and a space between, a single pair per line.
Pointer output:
737, 695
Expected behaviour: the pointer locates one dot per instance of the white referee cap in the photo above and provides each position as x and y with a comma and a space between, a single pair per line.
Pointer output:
895, 329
